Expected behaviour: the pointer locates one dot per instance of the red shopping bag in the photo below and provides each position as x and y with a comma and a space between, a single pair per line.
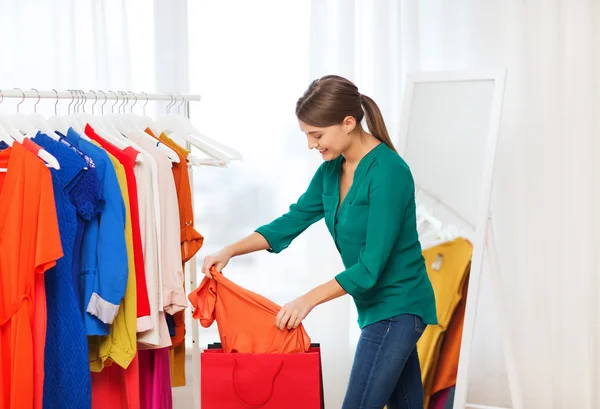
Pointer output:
261, 381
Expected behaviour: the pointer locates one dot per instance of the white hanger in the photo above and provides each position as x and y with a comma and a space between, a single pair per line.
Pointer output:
105, 128
39, 122
144, 121
62, 123
432, 231
182, 127
5, 137
9, 134
56, 121
129, 121
29, 125
445, 235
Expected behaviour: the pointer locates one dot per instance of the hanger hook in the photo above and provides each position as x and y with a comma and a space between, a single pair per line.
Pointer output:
84, 99
95, 101
56, 103
81, 106
77, 106
144, 107
171, 104
126, 99
75, 97
105, 99
23, 100
77, 102
73, 100
38, 101
121, 104
70, 103
136, 101
112, 109
181, 104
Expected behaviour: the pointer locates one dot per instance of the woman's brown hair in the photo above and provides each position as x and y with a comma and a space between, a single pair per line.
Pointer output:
329, 99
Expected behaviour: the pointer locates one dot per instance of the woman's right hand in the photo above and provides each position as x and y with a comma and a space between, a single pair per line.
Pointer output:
218, 259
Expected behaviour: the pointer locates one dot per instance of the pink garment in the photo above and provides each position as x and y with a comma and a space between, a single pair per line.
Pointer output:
155, 379
438, 400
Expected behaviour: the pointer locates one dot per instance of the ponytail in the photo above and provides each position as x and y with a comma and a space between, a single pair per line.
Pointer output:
375, 121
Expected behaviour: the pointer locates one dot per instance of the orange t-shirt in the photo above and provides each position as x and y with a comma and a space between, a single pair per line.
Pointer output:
246, 320
30, 243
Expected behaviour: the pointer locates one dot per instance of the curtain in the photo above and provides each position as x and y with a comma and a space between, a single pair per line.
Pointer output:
68, 44
546, 187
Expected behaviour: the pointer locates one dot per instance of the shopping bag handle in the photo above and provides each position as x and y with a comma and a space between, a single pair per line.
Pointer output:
254, 405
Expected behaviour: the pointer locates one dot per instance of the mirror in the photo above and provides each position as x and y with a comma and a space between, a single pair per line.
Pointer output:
448, 138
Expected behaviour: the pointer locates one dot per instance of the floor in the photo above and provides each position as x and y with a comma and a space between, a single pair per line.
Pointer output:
183, 395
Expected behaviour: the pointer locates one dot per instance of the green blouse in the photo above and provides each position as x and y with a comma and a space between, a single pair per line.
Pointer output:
375, 232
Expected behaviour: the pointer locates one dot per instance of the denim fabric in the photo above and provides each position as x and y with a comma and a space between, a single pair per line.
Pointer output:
386, 368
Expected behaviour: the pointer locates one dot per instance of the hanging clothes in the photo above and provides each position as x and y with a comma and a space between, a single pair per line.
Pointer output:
191, 242
109, 236
119, 384
174, 297
127, 158
155, 382
67, 382
150, 220
447, 266
172, 294
447, 367
30, 243
120, 344
101, 270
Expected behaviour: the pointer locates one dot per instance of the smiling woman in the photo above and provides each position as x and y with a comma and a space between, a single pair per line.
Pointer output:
372, 220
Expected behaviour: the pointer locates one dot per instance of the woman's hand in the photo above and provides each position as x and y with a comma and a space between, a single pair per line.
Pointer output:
218, 259
293, 313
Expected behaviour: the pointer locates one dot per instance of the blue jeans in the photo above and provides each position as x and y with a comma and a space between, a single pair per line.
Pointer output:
386, 369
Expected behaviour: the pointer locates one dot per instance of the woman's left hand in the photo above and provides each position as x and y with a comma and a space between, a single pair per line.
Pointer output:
292, 314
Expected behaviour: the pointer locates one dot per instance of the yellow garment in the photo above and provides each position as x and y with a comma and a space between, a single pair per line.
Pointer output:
447, 265
177, 360
174, 145
120, 344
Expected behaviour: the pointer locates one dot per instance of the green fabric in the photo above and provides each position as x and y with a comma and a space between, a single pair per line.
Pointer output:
375, 232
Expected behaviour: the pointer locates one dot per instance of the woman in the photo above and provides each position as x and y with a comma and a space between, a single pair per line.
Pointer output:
365, 192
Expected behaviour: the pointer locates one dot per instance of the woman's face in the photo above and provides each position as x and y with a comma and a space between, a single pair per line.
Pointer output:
330, 141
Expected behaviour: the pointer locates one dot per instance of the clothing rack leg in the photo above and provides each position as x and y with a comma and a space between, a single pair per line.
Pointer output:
192, 284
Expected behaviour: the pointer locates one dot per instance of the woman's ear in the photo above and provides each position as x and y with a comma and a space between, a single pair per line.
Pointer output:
349, 124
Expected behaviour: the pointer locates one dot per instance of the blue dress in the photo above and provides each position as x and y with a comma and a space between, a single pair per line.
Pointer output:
67, 380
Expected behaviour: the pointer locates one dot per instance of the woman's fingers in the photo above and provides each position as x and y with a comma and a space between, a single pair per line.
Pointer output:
282, 318
208, 263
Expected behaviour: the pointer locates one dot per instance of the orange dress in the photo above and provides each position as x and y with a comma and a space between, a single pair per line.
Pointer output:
246, 320
30, 245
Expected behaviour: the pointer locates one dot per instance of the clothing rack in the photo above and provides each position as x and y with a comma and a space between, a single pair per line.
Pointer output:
108, 95
183, 99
